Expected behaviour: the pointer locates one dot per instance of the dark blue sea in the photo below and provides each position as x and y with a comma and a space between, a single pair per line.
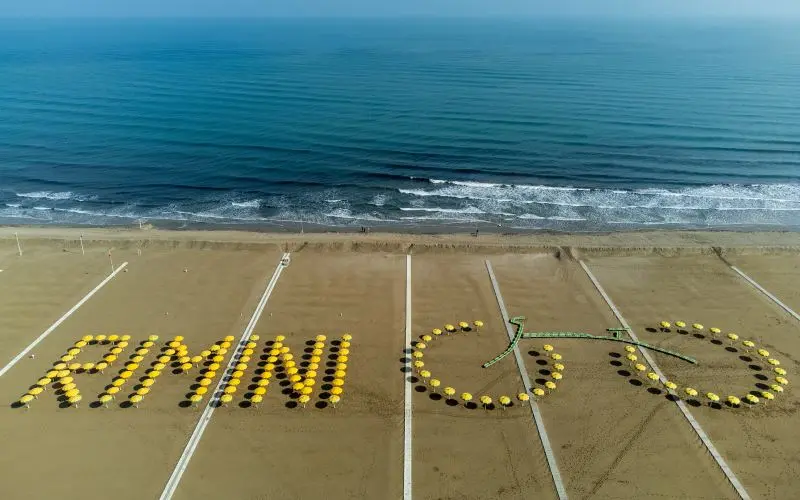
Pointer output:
570, 125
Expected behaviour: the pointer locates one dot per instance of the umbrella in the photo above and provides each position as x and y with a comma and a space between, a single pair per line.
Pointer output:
558, 366
79, 344
307, 390
66, 358
101, 366
304, 399
504, 401
478, 324
209, 374
463, 325
421, 345
266, 375
44, 381
280, 338
337, 374
779, 371
256, 400
132, 366
186, 367
714, 331
341, 366
632, 358
557, 376
697, 326
116, 350
74, 366
630, 349
310, 382
229, 338
60, 366
734, 401
343, 352
72, 393
118, 382
774, 387
63, 373
170, 352
196, 359
287, 356
752, 399
319, 345
733, 337
313, 374
680, 324
773, 362
87, 338
690, 391
436, 331
226, 398
450, 328
181, 359
652, 376
665, 325
334, 399
485, 401
105, 399
547, 347
449, 391
524, 397
214, 348
417, 354
143, 391
201, 390
466, 397
35, 391
295, 378
426, 338
100, 338
234, 382
231, 389
748, 344
315, 359
52, 374
260, 391
174, 344
255, 337
126, 374
338, 382
298, 386
241, 367
763, 352
125, 337
347, 337
292, 370
74, 400
250, 345
767, 395
152, 338
66, 380
345, 343
670, 385
425, 374
551, 386
218, 359
556, 356
712, 397
336, 390
205, 382
434, 382
67, 387
782, 380
148, 382
342, 359
320, 338
639, 367
26, 400
538, 392
262, 382
114, 338
195, 398
163, 359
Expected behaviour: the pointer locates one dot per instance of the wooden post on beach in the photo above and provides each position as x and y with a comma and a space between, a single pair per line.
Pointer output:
19, 247
111, 260
81, 238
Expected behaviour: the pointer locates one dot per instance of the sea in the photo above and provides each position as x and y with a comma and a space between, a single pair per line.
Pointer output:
445, 124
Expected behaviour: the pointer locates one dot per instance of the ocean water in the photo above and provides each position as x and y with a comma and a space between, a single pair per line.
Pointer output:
560, 125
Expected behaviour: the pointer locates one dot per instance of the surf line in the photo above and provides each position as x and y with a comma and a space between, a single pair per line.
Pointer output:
537, 415
60, 320
408, 408
737, 485
208, 412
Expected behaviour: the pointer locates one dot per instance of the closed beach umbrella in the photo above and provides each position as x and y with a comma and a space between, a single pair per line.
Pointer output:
504, 401
486, 401
334, 400
449, 391
466, 397
524, 397
691, 391
435, 382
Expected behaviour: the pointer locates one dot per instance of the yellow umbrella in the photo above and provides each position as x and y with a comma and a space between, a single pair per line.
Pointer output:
66, 380
170, 352
214, 348
425, 374
342, 359
186, 367
174, 344
74, 400
697, 326
231, 389
237, 374
524, 397
60, 366
767, 395
346, 344
250, 346
334, 399
113, 338
218, 359
632, 358
201, 390
551, 386
337, 382
773, 362
205, 382
100, 338
733, 337
35, 391
229, 338
44, 381
209, 374
256, 400
347, 337
665, 324
342, 352
680, 324
74, 351
774, 387
72, 392
67, 387
652, 376
292, 370
463, 325
306, 390
690, 391
118, 382
485, 401
435, 383
116, 351
559, 367
181, 359
255, 337
466, 397
141, 352
195, 399
734, 401
126, 374
449, 391
148, 382
782, 380
260, 391
752, 399
779, 371
557, 376
319, 345
101, 366
87, 338
426, 338
320, 338
287, 356
639, 367
450, 328
74, 366
125, 337
295, 378
504, 401
122, 345
241, 366
436, 331
105, 399
478, 324
225, 399
163, 359
341, 366
26, 400
52, 374
670, 385
712, 397
67, 358
143, 391
547, 347
269, 367
132, 366
63, 373
313, 374
152, 338
715, 331
763, 352
234, 382
417, 354
80, 344
336, 390
280, 338
304, 399
266, 375
556, 356
630, 349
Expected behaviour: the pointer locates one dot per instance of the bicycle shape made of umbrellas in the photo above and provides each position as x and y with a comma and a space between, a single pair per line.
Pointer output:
649, 374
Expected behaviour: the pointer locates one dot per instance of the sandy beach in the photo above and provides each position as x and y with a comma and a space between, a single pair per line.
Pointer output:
613, 433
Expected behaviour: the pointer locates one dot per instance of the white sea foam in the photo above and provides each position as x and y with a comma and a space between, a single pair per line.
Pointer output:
53, 195
246, 204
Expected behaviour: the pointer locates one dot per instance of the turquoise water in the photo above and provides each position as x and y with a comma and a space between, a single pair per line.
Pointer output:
568, 125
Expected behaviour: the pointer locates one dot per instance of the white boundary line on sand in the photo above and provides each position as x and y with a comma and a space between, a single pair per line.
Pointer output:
205, 418
681, 405
407, 411
537, 415
765, 292
60, 320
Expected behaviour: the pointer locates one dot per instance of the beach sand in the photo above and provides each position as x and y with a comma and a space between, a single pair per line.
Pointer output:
612, 435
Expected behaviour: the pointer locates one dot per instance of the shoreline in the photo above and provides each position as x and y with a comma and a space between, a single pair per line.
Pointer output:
661, 241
